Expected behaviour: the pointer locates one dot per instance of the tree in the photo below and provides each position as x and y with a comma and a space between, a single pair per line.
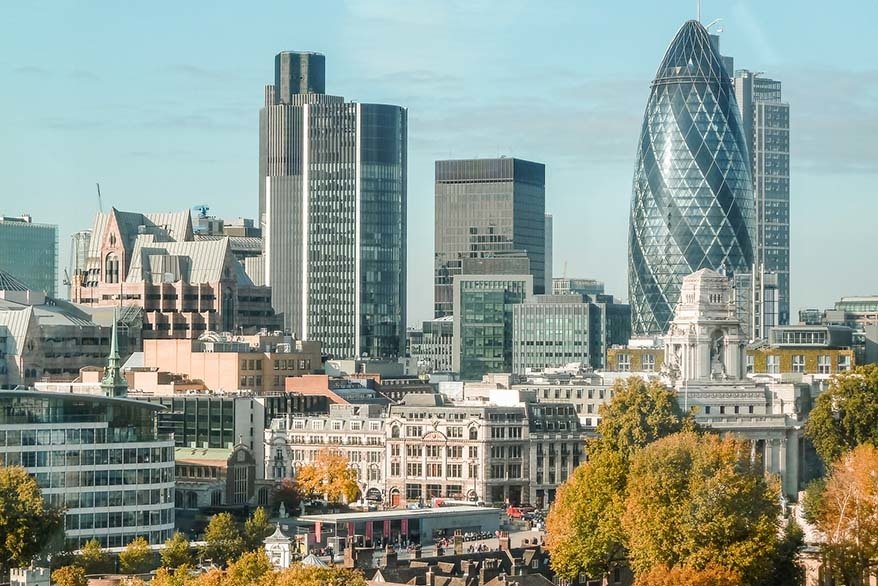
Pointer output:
223, 540
299, 575
710, 575
640, 413
136, 557
256, 529
584, 530
69, 576
27, 523
176, 552
248, 569
846, 414
287, 492
92, 557
330, 476
849, 514
812, 501
695, 500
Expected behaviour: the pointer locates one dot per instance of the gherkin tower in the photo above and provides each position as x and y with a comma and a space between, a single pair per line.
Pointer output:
692, 204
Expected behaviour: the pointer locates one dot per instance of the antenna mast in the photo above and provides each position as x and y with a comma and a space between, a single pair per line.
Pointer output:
100, 203
698, 9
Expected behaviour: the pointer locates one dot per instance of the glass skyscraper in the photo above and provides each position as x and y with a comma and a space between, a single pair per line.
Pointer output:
29, 252
692, 204
332, 202
488, 209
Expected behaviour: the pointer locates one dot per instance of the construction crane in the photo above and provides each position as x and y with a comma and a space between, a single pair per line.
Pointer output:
100, 203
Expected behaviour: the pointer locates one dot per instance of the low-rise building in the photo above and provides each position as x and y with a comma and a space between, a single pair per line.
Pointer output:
259, 362
216, 478
42, 338
802, 349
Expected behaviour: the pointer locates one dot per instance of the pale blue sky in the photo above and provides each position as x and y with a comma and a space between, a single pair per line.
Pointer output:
159, 102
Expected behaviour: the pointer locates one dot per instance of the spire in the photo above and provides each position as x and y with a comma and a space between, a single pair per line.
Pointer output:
113, 384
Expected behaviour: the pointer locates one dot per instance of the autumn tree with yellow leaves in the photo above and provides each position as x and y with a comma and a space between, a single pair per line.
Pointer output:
329, 476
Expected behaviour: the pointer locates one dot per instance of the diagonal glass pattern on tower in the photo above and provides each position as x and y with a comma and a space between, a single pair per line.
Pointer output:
692, 204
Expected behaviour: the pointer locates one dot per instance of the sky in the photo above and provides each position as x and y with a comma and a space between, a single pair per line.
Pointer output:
159, 102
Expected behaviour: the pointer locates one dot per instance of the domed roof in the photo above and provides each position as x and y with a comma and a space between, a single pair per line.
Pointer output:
692, 56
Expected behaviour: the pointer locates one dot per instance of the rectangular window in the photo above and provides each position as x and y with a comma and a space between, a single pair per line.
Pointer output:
649, 362
824, 364
772, 364
750, 363
844, 363
623, 362
414, 469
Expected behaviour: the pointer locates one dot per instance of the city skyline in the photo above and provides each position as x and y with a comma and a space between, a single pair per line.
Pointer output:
588, 158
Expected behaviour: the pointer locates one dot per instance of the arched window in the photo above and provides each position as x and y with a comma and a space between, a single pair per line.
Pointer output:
111, 268
191, 500
473, 433
394, 432
216, 498
228, 309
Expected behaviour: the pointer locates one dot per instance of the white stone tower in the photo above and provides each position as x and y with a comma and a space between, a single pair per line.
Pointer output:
705, 341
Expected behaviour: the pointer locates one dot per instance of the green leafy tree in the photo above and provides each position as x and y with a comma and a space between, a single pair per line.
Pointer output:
812, 501
92, 558
846, 414
584, 530
69, 576
176, 552
27, 523
695, 500
256, 529
640, 413
136, 558
223, 541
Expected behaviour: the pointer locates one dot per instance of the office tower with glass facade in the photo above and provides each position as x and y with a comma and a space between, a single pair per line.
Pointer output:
332, 203
692, 204
100, 458
29, 252
486, 208
483, 307
550, 331
766, 122
548, 252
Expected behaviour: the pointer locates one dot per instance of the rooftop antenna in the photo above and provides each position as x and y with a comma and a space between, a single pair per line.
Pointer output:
698, 9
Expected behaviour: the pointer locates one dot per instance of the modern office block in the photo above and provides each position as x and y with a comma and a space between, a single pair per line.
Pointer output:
431, 346
483, 308
29, 252
550, 331
692, 204
548, 252
486, 208
590, 287
332, 203
766, 124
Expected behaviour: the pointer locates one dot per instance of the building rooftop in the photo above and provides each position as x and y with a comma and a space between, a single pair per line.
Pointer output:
463, 510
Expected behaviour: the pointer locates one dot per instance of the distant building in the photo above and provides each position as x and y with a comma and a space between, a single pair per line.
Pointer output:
185, 286
550, 331
766, 124
42, 338
432, 345
590, 287
258, 363
483, 324
332, 205
548, 252
29, 252
860, 313
487, 208
814, 350
216, 479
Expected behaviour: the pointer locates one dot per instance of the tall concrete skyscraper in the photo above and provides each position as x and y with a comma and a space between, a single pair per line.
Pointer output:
488, 209
332, 204
692, 204
766, 121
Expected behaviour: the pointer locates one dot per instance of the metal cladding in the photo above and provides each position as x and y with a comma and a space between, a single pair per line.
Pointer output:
692, 204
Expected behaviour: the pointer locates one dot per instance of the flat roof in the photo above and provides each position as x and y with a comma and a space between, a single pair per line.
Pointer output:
398, 514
